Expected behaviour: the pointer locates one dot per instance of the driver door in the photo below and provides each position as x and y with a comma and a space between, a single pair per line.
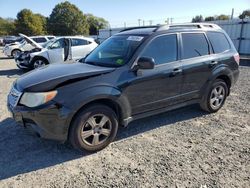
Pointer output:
56, 51
159, 87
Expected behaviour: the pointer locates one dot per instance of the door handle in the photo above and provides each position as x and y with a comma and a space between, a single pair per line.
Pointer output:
176, 71
213, 63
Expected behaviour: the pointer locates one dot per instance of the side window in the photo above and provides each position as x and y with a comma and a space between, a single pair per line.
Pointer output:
58, 44
219, 42
40, 39
79, 42
194, 45
51, 38
163, 49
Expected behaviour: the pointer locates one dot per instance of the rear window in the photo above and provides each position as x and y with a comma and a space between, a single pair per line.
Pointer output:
194, 45
219, 42
79, 42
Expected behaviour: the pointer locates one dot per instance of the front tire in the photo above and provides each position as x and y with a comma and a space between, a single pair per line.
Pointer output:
216, 96
93, 128
39, 62
15, 53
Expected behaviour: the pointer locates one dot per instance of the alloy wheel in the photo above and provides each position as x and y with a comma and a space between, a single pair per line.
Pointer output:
15, 53
39, 63
96, 130
217, 97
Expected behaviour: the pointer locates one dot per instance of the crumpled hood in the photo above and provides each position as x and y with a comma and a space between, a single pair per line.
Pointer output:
49, 77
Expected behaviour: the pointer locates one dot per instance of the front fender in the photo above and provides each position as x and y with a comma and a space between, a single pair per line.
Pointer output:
99, 93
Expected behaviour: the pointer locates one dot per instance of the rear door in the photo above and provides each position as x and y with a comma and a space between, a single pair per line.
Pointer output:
196, 63
80, 48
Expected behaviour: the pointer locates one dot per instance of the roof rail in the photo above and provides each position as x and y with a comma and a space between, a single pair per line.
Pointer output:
188, 25
196, 25
174, 26
141, 27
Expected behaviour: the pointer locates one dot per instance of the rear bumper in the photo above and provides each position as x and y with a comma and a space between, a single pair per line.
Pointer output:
235, 76
49, 122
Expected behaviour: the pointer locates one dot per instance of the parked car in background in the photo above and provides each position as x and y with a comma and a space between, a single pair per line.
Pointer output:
26, 44
11, 39
136, 73
42, 39
56, 51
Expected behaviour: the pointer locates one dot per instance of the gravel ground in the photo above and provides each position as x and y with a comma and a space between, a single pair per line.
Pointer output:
181, 148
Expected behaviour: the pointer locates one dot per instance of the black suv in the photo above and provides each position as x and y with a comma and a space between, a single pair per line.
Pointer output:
136, 73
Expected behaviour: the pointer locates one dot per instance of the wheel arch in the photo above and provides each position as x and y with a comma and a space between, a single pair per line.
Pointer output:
104, 95
227, 80
15, 49
39, 57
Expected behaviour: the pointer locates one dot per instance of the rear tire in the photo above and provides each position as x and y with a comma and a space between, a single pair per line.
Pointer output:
93, 128
215, 97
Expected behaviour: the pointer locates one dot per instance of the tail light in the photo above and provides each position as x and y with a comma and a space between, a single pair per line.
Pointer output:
237, 58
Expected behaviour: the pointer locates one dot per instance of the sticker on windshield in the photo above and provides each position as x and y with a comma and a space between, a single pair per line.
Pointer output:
119, 61
135, 38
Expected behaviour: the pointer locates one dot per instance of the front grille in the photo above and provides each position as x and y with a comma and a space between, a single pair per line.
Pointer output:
13, 97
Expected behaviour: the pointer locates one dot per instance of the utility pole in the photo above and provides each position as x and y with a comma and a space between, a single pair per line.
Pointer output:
232, 14
143, 22
125, 25
139, 22
150, 22
167, 21
171, 20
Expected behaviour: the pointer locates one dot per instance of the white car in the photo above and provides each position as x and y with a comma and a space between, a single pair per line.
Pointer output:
42, 39
57, 51
14, 49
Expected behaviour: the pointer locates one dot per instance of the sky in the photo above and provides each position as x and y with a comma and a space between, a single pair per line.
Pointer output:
121, 12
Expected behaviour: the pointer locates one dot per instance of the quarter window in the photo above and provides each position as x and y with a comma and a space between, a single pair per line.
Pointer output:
194, 45
163, 49
219, 42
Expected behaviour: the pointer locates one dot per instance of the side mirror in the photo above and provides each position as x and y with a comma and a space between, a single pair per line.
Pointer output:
145, 63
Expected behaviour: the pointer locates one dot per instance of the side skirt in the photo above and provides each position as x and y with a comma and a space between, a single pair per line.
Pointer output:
126, 121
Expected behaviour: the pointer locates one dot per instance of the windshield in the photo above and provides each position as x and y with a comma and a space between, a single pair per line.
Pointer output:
115, 51
47, 44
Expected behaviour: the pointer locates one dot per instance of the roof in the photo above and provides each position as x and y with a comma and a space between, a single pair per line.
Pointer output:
169, 28
77, 37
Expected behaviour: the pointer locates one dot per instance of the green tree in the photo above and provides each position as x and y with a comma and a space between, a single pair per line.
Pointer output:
197, 18
209, 18
245, 13
67, 19
29, 23
96, 23
43, 21
222, 17
7, 27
